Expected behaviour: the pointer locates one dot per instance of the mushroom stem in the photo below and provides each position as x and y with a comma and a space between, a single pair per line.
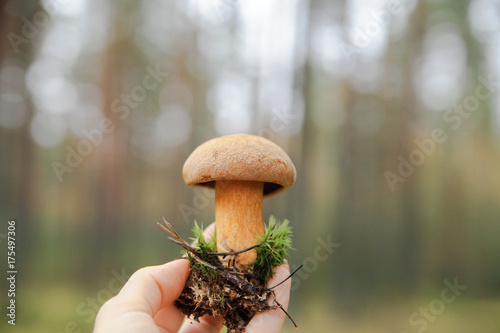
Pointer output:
238, 217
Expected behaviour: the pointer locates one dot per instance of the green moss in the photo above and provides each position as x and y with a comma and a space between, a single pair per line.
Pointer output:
274, 247
203, 249
275, 244
203, 245
205, 271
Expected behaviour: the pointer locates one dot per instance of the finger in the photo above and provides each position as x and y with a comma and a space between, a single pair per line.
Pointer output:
272, 320
169, 318
207, 324
146, 292
209, 231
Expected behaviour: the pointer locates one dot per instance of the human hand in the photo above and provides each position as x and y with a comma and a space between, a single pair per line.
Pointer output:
146, 303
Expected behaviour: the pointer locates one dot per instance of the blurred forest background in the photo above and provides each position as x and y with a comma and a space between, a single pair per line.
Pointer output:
389, 109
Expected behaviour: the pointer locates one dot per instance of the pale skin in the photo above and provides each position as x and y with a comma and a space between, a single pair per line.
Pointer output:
146, 303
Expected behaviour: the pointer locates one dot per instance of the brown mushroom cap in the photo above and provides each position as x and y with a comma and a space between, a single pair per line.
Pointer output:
240, 157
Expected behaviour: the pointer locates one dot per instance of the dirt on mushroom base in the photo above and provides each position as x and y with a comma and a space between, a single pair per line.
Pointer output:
225, 293
217, 289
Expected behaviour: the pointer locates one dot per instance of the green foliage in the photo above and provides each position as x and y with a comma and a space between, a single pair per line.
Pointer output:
204, 248
205, 271
275, 244
274, 247
203, 245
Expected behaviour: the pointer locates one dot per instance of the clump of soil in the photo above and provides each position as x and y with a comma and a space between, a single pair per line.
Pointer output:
221, 289
225, 293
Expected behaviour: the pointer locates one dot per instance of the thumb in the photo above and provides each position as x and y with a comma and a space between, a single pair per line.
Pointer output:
272, 320
148, 291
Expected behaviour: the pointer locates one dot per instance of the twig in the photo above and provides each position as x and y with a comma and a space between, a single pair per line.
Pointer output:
235, 252
178, 240
241, 283
281, 307
289, 276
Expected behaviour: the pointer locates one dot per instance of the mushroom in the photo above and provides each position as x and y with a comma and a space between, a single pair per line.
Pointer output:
243, 169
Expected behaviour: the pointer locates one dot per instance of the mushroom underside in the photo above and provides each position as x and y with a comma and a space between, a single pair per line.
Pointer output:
269, 188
